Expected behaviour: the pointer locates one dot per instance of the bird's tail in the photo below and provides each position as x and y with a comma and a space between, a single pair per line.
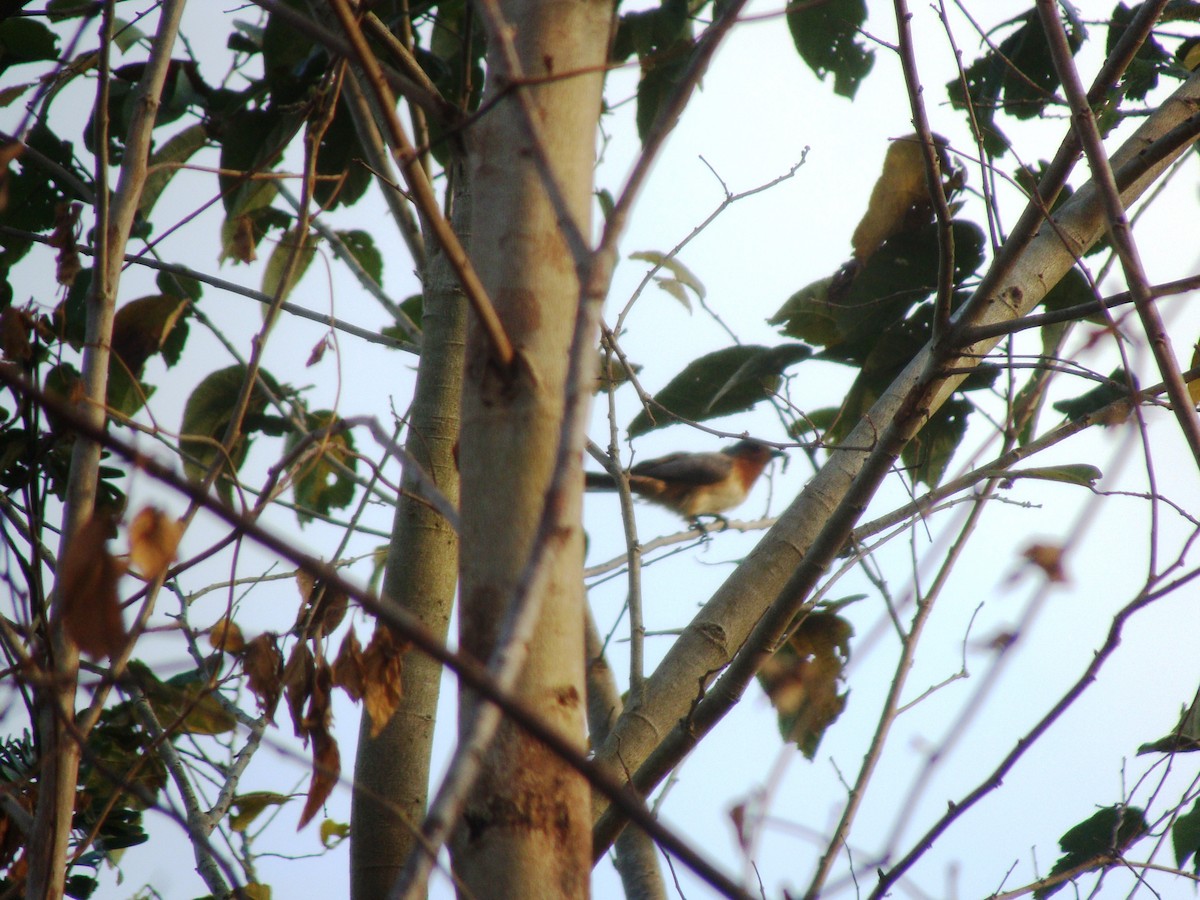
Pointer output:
598, 481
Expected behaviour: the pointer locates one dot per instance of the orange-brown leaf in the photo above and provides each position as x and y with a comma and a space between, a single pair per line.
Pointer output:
349, 672
298, 685
383, 664
327, 766
153, 539
87, 585
263, 664
227, 637
1048, 558
9, 152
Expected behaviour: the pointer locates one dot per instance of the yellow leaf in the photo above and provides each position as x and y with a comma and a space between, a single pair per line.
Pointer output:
248, 807
333, 833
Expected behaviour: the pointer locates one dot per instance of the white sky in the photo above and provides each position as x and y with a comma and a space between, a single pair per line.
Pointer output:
759, 107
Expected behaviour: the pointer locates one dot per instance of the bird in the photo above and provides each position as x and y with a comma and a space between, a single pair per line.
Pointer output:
694, 484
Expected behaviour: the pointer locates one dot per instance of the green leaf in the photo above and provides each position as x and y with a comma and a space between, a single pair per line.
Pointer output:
281, 264
1184, 739
207, 415
1115, 388
721, 383
1017, 77
828, 40
849, 315
126, 34
1185, 837
684, 277
1071, 473
1141, 75
662, 72
248, 807
362, 247
1099, 839
320, 482
165, 163
185, 703
25, 40
928, 454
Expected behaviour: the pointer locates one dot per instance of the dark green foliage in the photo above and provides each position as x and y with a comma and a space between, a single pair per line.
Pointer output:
828, 40
720, 384
1099, 839
1016, 78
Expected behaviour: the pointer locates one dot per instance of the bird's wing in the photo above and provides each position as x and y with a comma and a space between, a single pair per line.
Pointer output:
686, 468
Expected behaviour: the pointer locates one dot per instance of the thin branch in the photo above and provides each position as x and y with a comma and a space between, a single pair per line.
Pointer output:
468, 670
1118, 225
366, 334
889, 877
422, 192
933, 171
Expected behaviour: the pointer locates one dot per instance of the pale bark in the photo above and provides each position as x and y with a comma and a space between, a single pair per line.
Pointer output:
58, 746
391, 772
525, 830
762, 594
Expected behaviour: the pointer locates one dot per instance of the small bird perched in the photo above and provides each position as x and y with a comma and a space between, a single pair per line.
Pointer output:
694, 484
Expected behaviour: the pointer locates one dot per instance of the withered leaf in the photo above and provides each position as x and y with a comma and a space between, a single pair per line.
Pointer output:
327, 766
319, 715
1048, 558
349, 672
66, 226
142, 326
227, 637
383, 665
297, 685
263, 664
323, 608
14, 334
87, 585
9, 152
153, 538
802, 678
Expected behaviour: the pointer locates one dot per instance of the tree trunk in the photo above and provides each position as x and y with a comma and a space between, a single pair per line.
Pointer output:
391, 772
526, 831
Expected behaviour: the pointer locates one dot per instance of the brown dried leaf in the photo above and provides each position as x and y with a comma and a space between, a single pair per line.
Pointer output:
66, 228
327, 766
87, 586
323, 608
383, 664
319, 715
241, 245
1048, 558
142, 326
263, 664
153, 539
297, 685
803, 676
227, 637
14, 334
318, 352
10, 151
349, 673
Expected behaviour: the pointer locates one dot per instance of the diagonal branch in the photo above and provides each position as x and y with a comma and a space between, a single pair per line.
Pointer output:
1118, 226
422, 192
790, 560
